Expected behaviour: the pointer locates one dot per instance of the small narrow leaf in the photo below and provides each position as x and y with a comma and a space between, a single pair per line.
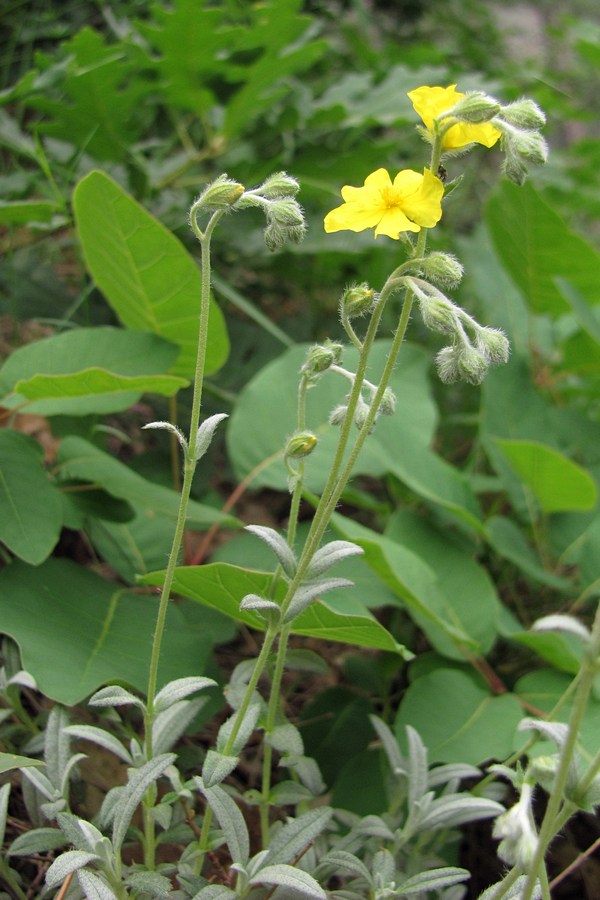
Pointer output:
113, 695
38, 840
567, 624
10, 761
433, 880
288, 877
139, 782
217, 767
66, 863
309, 592
347, 862
180, 688
95, 887
205, 434
295, 836
329, 555
246, 728
102, 738
231, 822
278, 545
4, 794
171, 723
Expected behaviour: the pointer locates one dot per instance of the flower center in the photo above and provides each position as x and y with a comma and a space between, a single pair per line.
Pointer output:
390, 197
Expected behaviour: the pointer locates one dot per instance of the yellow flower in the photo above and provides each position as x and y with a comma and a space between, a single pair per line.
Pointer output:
409, 203
431, 102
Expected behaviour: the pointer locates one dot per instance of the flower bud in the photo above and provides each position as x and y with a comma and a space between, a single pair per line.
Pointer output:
300, 445
320, 357
438, 314
493, 344
285, 212
530, 145
361, 412
442, 269
475, 107
387, 407
462, 362
516, 831
356, 300
278, 185
338, 414
524, 114
514, 167
221, 194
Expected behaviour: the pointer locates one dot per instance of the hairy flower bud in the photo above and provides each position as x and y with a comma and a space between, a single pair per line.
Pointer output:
221, 194
286, 212
493, 344
516, 831
300, 445
278, 185
438, 314
475, 107
442, 269
531, 146
356, 300
387, 407
320, 357
524, 114
338, 414
461, 362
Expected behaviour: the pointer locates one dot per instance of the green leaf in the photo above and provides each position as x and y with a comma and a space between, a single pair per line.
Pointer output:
222, 587
31, 510
536, 246
557, 483
145, 273
99, 632
542, 690
10, 761
470, 596
509, 541
26, 212
78, 459
417, 588
99, 106
88, 370
458, 718
138, 782
399, 445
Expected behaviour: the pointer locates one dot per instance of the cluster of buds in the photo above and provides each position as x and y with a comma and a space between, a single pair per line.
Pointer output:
276, 198
285, 218
523, 145
319, 359
386, 406
474, 347
519, 124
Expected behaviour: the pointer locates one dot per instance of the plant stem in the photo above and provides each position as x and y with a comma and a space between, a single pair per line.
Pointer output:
550, 824
189, 468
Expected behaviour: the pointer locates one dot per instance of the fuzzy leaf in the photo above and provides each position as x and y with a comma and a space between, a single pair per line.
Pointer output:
38, 840
231, 821
293, 837
289, 877
171, 723
433, 880
389, 744
567, 624
113, 695
102, 738
329, 555
278, 545
217, 767
95, 887
247, 727
4, 794
347, 862
66, 863
180, 688
309, 592
456, 809
139, 782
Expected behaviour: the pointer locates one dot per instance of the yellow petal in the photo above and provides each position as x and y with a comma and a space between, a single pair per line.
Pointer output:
464, 133
425, 206
393, 222
351, 217
430, 102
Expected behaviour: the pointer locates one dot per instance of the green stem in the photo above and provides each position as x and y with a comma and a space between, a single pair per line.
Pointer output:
189, 469
550, 822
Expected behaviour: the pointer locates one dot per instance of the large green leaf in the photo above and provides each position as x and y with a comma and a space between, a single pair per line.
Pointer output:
557, 483
77, 631
80, 460
31, 511
468, 591
458, 718
88, 370
221, 587
536, 246
399, 445
145, 273
99, 108
451, 630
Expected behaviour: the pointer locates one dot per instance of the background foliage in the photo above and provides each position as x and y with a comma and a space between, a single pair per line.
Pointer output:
477, 508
